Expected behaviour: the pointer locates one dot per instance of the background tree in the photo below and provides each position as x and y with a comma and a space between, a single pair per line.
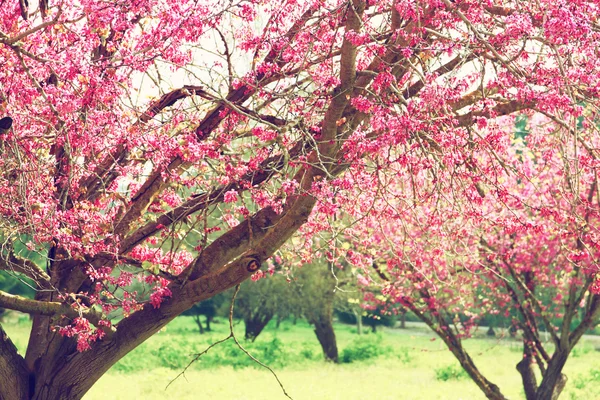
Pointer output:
536, 262
181, 144
209, 308
316, 289
258, 302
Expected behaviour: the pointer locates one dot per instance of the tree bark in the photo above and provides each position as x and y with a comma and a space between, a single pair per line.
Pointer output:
326, 335
490, 390
554, 380
525, 368
403, 318
14, 375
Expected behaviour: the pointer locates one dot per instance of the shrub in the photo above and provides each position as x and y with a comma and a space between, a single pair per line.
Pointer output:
364, 348
307, 353
593, 376
271, 353
450, 372
171, 354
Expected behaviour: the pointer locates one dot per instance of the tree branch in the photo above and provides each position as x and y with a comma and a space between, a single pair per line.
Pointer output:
200, 202
52, 308
26, 267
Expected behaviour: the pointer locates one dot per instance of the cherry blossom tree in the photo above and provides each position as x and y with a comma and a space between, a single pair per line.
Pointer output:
157, 153
536, 259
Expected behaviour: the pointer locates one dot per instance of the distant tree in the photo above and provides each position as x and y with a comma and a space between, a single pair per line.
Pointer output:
258, 302
315, 289
379, 317
208, 308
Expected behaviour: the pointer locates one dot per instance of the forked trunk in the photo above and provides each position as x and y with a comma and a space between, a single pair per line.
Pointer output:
525, 368
199, 323
256, 324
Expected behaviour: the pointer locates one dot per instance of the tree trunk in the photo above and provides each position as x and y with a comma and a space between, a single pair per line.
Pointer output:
554, 380
199, 323
490, 390
373, 326
358, 321
403, 318
525, 368
14, 376
208, 321
326, 335
255, 324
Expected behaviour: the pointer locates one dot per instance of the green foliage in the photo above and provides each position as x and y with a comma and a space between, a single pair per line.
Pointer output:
307, 353
521, 130
16, 284
581, 349
258, 302
364, 348
581, 381
450, 372
172, 354
404, 355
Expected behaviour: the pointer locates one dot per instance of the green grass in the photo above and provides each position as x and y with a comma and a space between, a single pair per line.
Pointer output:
394, 364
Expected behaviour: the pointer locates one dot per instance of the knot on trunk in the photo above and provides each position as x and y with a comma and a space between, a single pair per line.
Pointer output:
253, 264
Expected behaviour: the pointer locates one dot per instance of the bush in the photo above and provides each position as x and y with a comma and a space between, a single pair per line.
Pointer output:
307, 353
450, 372
271, 353
364, 348
172, 354
593, 376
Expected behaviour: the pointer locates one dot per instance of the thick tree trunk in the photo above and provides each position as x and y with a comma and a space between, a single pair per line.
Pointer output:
14, 375
490, 390
403, 318
554, 380
525, 368
326, 335
208, 321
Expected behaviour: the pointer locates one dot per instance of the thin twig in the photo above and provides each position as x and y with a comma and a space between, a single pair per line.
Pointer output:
237, 289
231, 336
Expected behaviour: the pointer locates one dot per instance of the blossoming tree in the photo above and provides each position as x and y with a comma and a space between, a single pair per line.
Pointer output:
181, 143
452, 263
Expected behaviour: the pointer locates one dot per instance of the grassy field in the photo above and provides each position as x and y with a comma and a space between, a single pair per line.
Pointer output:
393, 364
